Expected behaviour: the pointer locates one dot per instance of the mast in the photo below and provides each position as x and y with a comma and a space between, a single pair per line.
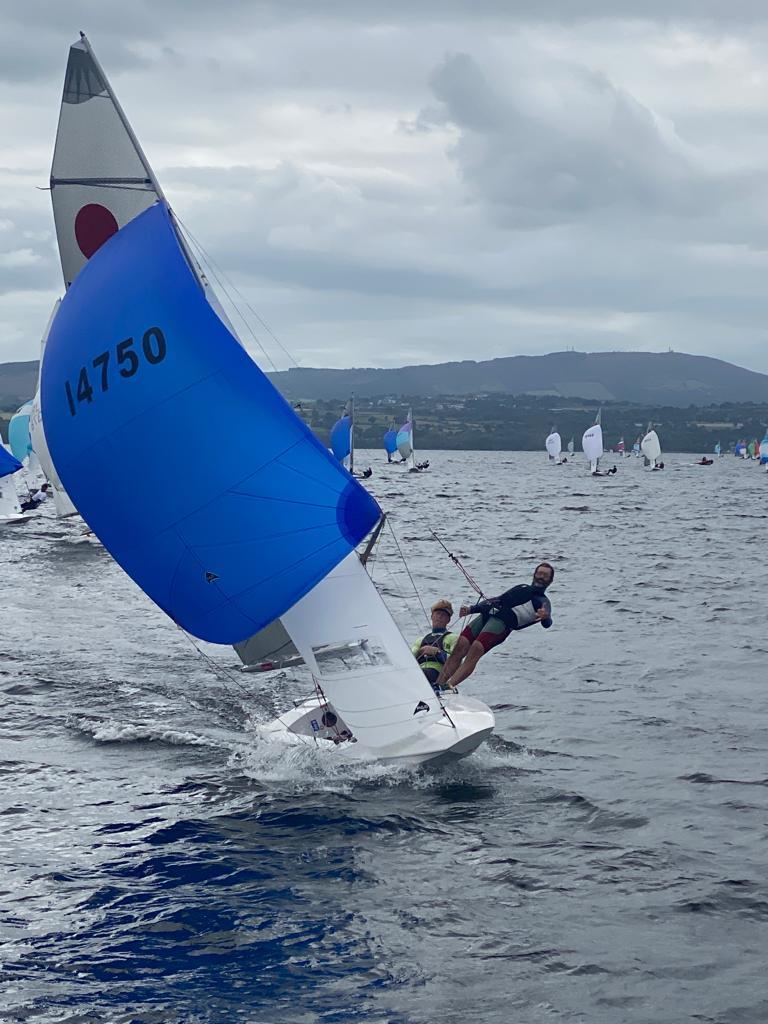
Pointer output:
352, 435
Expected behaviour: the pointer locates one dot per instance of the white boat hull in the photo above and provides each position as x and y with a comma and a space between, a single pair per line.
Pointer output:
465, 724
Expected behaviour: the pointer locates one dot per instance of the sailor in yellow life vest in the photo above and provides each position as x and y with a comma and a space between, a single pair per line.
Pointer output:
432, 650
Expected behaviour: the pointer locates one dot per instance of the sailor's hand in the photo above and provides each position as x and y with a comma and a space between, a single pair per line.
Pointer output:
542, 613
464, 610
429, 650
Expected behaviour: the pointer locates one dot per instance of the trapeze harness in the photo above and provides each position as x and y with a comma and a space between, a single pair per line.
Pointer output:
431, 664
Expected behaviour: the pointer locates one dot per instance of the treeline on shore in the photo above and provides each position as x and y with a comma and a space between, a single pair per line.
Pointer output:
521, 423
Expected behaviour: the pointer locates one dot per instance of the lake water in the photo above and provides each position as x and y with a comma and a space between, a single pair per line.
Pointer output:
601, 860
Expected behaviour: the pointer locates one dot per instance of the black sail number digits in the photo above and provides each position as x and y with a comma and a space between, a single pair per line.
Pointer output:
126, 360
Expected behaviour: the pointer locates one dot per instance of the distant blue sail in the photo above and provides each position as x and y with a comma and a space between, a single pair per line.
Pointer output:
764, 450
8, 463
341, 437
390, 441
18, 432
247, 511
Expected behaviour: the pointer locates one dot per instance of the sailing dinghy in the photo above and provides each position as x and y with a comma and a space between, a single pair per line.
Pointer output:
650, 446
10, 509
592, 444
554, 446
238, 535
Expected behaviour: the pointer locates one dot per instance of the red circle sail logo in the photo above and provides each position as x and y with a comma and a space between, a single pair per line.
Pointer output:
94, 224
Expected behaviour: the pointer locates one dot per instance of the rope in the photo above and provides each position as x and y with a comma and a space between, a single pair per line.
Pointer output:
405, 563
219, 670
222, 280
472, 582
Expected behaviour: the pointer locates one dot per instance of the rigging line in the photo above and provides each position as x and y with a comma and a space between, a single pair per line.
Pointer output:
219, 670
234, 287
402, 556
221, 283
454, 558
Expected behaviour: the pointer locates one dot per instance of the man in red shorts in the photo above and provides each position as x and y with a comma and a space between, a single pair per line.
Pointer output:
497, 617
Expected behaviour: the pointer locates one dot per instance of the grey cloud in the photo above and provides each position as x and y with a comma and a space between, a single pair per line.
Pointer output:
597, 148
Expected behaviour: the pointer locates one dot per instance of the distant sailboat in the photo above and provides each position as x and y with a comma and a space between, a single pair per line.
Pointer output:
238, 535
390, 441
621, 447
592, 443
717, 449
342, 441
20, 443
651, 447
570, 447
10, 509
636, 447
405, 443
764, 450
554, 446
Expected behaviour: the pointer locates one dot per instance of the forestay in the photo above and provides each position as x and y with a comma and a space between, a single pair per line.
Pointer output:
363, 665
236, 533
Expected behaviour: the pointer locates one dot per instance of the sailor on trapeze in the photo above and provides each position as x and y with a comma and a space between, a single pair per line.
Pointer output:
497, 617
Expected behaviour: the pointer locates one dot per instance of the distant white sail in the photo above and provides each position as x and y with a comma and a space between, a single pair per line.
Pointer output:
592, 445
651, 447
9, 500
554, 445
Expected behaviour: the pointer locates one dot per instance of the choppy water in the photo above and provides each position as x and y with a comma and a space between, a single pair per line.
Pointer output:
602, 860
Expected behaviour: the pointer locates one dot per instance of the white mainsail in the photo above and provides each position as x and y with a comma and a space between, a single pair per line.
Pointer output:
100, 178
375, 683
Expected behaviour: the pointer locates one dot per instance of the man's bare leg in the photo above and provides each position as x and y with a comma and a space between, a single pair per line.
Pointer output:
467, 667
454, 659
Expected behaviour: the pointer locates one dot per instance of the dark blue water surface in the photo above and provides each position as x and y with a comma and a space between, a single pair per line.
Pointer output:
601, 860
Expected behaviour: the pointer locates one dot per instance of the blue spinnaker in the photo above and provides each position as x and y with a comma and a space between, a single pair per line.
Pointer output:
178, 452
341, 437
18, 432
390, 441
8, 463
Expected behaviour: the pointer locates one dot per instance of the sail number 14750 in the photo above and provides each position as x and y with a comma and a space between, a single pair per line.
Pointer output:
129, 357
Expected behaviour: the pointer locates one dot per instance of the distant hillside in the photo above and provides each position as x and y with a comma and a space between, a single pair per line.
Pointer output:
648, 378
17, 383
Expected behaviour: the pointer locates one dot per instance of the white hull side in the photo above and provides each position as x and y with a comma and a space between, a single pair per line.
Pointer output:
466, 724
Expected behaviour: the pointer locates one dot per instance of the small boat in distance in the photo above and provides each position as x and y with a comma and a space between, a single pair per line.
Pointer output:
651, 449
390, 441
554, 446
592, 444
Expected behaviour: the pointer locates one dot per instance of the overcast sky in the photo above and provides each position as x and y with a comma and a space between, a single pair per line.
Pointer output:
400, 182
